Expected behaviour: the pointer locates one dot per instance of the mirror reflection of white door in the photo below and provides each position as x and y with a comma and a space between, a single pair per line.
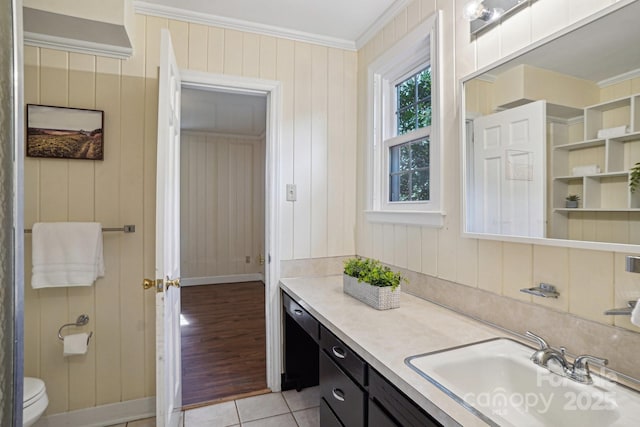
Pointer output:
509, 172
168, 367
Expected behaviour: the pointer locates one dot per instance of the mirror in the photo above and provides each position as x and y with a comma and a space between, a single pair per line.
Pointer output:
561, 119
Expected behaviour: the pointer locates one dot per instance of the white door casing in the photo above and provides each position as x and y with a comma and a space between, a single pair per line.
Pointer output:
509, 172
273, 195
168, 366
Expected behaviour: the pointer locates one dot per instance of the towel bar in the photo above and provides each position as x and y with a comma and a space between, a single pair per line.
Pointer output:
129, 228
82, 320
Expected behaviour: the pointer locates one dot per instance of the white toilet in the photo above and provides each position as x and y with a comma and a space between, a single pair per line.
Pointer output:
35, 401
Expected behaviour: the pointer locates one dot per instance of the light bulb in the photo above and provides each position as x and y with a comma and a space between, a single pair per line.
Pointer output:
473, 10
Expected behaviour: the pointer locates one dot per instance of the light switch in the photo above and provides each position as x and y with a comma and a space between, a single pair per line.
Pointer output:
291, 192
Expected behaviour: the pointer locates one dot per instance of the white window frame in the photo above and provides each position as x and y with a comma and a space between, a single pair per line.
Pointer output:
416, 50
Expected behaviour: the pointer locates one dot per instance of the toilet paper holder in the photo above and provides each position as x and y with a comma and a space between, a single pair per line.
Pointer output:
82, 320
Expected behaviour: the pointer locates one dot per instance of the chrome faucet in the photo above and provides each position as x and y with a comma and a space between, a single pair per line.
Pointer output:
578, 372
542, 356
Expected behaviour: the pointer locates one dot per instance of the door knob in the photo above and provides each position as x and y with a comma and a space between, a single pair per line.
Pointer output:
151, 283
175, 283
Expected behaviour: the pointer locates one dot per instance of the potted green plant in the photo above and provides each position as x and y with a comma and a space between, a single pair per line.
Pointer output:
634, 177
372, 283
572, 200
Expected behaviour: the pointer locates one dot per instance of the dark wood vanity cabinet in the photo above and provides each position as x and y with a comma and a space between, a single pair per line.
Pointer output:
352, 393
301, 350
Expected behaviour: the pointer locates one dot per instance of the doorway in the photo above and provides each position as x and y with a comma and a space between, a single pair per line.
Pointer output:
223, 160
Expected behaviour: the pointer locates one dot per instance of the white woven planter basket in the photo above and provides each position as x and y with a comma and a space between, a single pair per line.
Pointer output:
375, 296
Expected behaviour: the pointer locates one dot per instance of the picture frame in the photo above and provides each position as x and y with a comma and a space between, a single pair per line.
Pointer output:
64, 132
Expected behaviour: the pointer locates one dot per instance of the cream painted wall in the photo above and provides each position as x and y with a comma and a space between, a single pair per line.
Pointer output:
317, 148
222, 204
589, 281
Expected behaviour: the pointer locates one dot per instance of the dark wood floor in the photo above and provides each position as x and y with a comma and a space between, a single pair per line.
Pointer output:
224, 345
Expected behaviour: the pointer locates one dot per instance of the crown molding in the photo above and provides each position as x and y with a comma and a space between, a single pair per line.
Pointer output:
379, 24
168, 12
619, 78
76, 45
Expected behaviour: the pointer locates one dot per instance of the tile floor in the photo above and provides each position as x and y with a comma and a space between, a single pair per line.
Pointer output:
287, 409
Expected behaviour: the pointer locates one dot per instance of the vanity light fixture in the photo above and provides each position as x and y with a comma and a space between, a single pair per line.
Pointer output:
484, 13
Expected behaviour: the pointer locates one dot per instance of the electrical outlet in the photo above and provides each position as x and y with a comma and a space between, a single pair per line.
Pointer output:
291, 192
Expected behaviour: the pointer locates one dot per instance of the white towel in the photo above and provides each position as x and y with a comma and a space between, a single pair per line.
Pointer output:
66, 254
635, 314
76, 344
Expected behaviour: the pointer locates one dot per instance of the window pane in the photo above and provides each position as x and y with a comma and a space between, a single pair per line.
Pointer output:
405, 187
420, 154
409, 171
420, 185
413, 109
394, 188
406, 120
424, 84
424, 114
394, 157
406, 93
405, 157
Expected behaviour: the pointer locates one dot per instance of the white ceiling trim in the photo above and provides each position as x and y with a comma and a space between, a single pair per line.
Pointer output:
381, 22
162, 11
617, 79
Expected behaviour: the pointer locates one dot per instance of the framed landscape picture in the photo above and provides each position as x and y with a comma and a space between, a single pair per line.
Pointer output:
66, 133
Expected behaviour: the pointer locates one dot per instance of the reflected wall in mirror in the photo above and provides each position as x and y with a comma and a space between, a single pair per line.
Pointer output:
559, 120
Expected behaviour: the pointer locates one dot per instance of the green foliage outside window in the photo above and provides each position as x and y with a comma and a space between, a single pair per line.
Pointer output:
414, 102
409, 177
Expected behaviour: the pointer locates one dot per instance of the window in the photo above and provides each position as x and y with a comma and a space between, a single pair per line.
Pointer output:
404, 124
409, 161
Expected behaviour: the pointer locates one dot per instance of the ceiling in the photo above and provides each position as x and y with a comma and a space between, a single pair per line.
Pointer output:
329, 19
222, 112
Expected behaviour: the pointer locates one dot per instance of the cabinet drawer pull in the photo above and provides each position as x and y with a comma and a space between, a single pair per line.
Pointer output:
298, 312
338, 394
338, 352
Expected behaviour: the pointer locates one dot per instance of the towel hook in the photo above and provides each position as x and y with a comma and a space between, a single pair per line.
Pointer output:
82, 320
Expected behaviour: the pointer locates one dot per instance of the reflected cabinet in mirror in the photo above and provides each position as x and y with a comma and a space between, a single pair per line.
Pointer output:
551, 136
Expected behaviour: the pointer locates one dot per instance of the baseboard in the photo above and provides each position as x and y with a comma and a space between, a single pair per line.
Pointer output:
214, 280
104, 415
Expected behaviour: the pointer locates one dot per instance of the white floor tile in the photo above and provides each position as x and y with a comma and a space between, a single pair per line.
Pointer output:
263, 406
308, 417
285, 420
306, 398
219, 415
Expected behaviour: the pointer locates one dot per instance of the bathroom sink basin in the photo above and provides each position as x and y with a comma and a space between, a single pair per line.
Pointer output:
496, 381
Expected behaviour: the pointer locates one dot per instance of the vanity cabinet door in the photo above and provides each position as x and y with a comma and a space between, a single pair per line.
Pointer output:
327, 417
343, 395
377, 417
404, 411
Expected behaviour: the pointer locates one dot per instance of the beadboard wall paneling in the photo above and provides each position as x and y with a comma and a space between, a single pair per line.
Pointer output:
222, 204
317, 153
499, 267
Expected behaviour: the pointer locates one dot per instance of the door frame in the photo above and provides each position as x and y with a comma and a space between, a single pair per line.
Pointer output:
272, 89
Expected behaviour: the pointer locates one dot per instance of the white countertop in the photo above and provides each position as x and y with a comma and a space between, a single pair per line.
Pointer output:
385, 338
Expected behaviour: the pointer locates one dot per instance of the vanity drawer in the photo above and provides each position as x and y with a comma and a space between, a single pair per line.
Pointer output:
327, 417
343, 356
405, 412
342, 394
301, 316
